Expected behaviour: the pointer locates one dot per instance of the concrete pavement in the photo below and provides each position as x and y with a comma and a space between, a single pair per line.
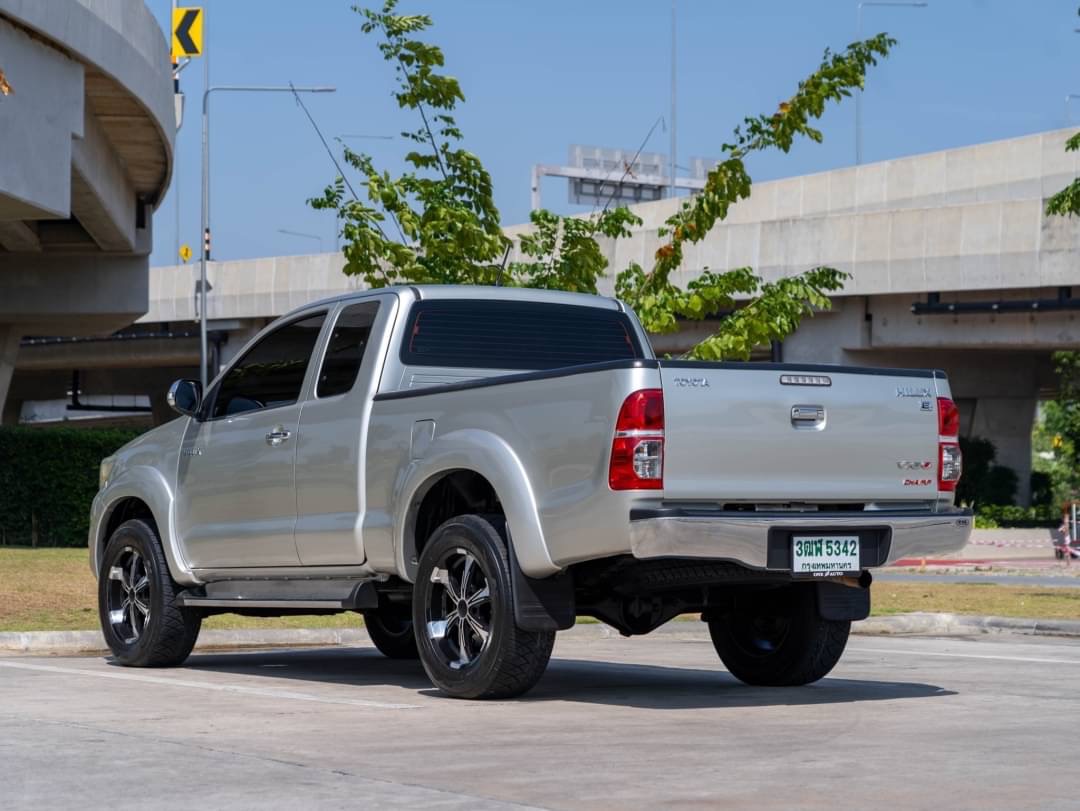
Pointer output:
902, 723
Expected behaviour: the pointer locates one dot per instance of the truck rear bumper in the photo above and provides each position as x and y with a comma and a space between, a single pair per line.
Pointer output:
762, 540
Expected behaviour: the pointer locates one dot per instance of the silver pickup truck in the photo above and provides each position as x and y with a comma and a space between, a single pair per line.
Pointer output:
474, 468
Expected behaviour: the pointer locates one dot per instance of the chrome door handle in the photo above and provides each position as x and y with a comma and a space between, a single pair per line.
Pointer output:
808, 416
277, 436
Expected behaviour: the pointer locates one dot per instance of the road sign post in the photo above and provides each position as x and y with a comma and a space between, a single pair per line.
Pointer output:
187, 32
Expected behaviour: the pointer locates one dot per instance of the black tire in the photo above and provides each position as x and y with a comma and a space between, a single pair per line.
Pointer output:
390, 627
151, 630
500, 659
780, 645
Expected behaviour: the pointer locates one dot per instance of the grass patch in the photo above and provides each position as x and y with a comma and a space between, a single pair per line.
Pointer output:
53, 590
976, 598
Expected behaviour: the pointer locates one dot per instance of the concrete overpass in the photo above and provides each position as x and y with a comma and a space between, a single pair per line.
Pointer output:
86, 127
954, 265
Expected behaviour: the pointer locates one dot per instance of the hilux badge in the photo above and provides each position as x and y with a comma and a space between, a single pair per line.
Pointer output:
912, 391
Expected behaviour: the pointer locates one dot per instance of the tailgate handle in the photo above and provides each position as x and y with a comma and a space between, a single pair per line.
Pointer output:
807, 415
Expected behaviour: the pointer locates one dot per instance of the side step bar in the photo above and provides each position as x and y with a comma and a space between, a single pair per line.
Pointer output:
189, 601
333, 595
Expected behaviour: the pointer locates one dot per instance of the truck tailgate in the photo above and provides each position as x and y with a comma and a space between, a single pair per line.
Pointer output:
780, 433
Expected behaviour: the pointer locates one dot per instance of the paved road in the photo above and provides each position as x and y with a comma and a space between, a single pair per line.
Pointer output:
904, 723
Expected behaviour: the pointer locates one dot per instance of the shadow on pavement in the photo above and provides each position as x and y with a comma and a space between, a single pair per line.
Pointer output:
590, 682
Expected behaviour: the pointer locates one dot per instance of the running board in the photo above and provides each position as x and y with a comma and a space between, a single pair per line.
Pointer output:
333, 595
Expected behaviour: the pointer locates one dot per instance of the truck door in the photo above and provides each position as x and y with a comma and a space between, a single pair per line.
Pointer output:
236, 499
330, 455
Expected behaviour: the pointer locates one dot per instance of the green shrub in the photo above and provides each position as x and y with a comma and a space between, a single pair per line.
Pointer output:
998, 515
984, 482
1042, 488
48, 477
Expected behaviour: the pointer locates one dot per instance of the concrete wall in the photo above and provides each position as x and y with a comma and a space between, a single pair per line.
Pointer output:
86, 149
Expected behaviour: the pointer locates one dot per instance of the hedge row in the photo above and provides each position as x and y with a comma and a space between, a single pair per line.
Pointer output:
1007, 515
48, 477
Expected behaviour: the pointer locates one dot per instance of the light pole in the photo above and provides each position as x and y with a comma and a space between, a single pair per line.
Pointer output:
858, 36
205, 254
302, 234
673, 142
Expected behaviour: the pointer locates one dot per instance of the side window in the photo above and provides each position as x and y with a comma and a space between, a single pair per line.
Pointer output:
345, 349
271, 373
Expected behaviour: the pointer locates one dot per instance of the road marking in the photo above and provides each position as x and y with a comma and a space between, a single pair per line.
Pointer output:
1034, 659
262, 692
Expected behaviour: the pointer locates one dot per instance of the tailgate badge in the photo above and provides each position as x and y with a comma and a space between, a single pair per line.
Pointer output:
692, 382
913, 391
805, 380
904, 464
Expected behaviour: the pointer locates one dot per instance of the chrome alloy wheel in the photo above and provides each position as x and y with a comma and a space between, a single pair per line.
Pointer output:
128, 595
459, 613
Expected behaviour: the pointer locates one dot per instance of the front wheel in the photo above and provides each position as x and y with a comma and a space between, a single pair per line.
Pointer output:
142, 623
782, 644
463, 612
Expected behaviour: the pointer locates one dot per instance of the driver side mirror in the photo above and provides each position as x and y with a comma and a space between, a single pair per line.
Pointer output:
185, 397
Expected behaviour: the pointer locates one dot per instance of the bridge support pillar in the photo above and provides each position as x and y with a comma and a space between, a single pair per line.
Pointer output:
1007, 421
9, 347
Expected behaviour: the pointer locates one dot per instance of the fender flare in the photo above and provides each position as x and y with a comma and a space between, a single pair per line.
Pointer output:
147, 484
492, 457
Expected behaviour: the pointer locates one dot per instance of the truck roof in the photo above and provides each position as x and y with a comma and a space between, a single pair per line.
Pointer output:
429, 292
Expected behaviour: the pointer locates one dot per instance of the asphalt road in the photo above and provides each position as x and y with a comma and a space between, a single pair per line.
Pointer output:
640, 723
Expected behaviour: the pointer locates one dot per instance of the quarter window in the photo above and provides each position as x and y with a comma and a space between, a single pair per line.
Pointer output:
493, 334
271, 373
345, 349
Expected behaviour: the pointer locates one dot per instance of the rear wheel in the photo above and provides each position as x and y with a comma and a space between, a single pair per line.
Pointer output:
463, 611
391, 630
142, 623
783, 644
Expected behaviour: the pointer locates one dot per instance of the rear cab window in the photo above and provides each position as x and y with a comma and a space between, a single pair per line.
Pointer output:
518, 336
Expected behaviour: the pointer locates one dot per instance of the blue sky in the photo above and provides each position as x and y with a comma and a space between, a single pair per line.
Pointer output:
541, 75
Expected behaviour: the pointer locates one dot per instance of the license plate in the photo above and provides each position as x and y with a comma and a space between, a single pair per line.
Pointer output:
824, 555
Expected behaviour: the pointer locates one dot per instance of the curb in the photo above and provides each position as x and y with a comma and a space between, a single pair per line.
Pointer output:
915, 624
928, 624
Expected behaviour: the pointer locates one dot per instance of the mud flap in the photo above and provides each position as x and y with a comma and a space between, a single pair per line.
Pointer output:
836, 601
541, 604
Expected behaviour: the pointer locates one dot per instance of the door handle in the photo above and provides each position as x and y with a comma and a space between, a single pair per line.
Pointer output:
808, 416
277, 436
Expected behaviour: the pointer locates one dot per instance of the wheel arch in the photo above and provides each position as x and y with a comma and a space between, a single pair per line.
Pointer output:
138, 492
479, 471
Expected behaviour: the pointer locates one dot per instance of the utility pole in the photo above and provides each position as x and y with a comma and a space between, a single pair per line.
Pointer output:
671, 171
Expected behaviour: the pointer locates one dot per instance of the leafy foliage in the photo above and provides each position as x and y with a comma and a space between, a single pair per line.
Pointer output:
1067, 201
1056, 437
447, 226
992, 516
984, 483
48, 479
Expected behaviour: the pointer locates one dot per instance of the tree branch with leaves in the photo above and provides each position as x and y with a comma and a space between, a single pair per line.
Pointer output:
447, 228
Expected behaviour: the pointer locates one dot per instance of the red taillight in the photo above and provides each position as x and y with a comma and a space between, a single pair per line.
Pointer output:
637, 452
950, 460
948, 417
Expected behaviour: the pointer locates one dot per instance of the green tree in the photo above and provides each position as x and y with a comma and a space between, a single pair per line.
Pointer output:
437, 222
1061, 417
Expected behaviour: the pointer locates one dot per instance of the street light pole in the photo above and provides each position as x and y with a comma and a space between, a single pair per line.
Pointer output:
858, 36
673, 141
205, 255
